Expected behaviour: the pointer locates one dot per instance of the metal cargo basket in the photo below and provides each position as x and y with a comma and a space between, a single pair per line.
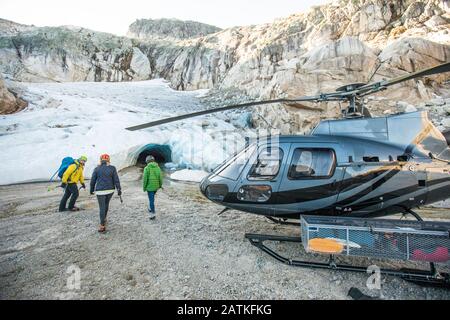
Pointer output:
392, 239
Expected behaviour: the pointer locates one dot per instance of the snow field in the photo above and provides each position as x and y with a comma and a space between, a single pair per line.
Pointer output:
74, 119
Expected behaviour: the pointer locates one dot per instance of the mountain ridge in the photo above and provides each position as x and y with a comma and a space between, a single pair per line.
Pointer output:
174, 29
341, 42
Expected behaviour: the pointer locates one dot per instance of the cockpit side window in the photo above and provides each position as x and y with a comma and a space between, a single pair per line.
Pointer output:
267, 164
233, 168
311, 163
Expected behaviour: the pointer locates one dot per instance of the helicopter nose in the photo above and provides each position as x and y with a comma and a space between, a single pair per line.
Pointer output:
214, 189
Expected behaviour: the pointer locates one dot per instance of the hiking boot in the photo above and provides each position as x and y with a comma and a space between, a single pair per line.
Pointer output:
152, 216
75, 209
102, 229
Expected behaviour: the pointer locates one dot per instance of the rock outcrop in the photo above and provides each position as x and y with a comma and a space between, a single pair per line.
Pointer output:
169, 29
69, 54
9, 103
12, 28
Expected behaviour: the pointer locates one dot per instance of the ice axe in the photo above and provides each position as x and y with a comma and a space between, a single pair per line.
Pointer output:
49, 188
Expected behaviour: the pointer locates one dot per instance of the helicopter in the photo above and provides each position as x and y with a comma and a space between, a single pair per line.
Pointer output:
358, 166
346, 171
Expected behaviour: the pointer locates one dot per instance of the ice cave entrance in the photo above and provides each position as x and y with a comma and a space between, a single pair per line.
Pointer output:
162, 154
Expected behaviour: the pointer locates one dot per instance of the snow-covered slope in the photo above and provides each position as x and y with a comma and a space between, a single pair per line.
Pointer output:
189, 175
73, 119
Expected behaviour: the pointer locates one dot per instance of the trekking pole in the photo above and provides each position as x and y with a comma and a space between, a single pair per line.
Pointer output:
54, 175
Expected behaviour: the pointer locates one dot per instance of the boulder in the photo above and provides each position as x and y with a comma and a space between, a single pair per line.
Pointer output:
9, 103
446, 122
140, 65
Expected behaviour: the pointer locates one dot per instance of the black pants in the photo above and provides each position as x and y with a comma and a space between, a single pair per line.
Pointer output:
103, 203
72, 192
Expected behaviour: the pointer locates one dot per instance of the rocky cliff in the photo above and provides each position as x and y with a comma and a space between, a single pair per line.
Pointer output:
317, 51
342, 42
173, 29
68, 54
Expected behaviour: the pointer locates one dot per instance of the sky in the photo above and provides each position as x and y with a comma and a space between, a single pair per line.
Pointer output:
115, 16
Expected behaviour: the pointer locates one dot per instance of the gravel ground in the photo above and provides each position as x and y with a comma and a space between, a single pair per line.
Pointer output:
188, 252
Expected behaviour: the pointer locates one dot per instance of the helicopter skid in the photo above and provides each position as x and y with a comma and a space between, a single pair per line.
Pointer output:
283, 221
421, 277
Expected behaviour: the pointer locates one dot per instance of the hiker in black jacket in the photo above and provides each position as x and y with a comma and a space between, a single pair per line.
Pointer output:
104, 181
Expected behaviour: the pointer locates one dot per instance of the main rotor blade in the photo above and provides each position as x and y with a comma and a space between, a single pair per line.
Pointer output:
231, 107
376, 86
445, 67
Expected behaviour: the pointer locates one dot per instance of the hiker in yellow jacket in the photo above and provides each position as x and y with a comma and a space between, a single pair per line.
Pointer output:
70, 179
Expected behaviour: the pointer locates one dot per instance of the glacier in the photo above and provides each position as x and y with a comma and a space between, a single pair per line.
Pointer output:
89, 118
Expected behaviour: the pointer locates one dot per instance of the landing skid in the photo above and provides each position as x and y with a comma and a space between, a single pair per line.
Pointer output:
421, 277
283, 221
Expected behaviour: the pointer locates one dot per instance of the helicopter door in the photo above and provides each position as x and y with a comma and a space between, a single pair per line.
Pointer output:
311, 179
261, 179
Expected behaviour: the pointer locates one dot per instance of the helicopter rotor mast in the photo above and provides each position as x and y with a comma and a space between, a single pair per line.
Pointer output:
351, 93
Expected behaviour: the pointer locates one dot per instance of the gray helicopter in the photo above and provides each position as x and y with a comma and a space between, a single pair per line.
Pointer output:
357, 166
345, 171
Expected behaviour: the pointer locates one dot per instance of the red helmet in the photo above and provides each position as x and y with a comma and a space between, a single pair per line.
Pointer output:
105, 157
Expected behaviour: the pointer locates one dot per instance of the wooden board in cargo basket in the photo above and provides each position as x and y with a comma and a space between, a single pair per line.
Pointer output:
392, 239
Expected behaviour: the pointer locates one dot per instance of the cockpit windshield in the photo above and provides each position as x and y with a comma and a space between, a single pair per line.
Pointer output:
233, 168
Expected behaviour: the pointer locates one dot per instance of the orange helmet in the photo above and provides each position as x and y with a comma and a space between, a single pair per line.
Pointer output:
105, 157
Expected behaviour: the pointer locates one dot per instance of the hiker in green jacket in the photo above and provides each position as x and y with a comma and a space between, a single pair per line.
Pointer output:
152, 182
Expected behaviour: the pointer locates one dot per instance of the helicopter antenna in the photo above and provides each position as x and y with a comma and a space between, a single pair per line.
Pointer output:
379, 64
351, 93
265, 120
